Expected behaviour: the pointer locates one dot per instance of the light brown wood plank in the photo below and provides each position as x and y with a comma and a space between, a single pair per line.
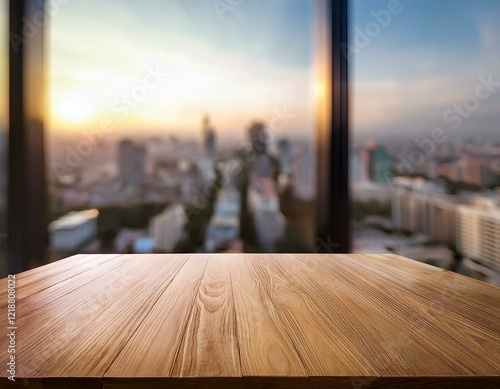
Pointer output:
427, 346
461, 296
29, 286
48, 295
80, 334
61, 262
322, 345
45, 272
449, 309
339, 311
266, 348
456, 292
33, 284
153, 349
210, 345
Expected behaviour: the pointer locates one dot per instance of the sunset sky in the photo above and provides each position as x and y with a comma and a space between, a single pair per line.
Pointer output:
255, 59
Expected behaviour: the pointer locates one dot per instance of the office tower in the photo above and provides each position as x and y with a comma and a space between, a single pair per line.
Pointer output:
304, 181
262, 166
132, 161
263, 202
205, 172
419, 206
167, 228
224, 228
209, 137
285, 156
358, 166
380, 165
258, 137
479, 231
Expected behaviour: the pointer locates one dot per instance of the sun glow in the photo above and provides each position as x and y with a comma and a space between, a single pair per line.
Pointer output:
72, 111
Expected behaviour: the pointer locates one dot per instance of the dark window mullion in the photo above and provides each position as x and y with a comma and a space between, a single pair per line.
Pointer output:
333, 137
26, 180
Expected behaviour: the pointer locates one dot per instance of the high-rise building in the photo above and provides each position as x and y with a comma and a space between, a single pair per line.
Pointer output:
262, 166
209, 137
285, 156
419, 206
269, 227
224, 228
167, 228
132, 162
408, 199
263, 202
258, 137
442, 224
228, 202
380, 165
205, 172
479, 231
304, 179
359, 166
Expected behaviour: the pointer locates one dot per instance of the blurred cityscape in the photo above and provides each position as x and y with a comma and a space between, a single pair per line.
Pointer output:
169, 195
189, 189
439, 204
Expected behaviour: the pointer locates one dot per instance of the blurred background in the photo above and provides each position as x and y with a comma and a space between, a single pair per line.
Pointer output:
191, 126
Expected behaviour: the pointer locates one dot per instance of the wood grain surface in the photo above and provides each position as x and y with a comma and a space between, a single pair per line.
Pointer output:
251, 321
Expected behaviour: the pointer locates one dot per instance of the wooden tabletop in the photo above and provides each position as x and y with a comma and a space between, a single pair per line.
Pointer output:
251, 321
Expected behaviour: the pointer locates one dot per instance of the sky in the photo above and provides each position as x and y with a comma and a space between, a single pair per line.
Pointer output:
425, 59
237, 65
258, 58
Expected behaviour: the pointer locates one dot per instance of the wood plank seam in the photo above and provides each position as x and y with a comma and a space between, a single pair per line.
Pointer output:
235, 318
21, 277
23, 301
178, 346
144, 318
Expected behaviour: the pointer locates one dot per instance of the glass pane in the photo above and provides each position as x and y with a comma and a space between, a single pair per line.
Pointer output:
426, 143
181, 126
4, 107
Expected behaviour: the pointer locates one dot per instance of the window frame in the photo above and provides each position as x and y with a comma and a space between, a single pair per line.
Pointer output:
27, 224
27, 235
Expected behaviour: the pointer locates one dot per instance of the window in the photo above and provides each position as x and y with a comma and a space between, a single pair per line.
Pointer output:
181, 126
425, 152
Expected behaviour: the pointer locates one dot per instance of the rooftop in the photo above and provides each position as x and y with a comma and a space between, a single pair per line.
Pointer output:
73, 219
